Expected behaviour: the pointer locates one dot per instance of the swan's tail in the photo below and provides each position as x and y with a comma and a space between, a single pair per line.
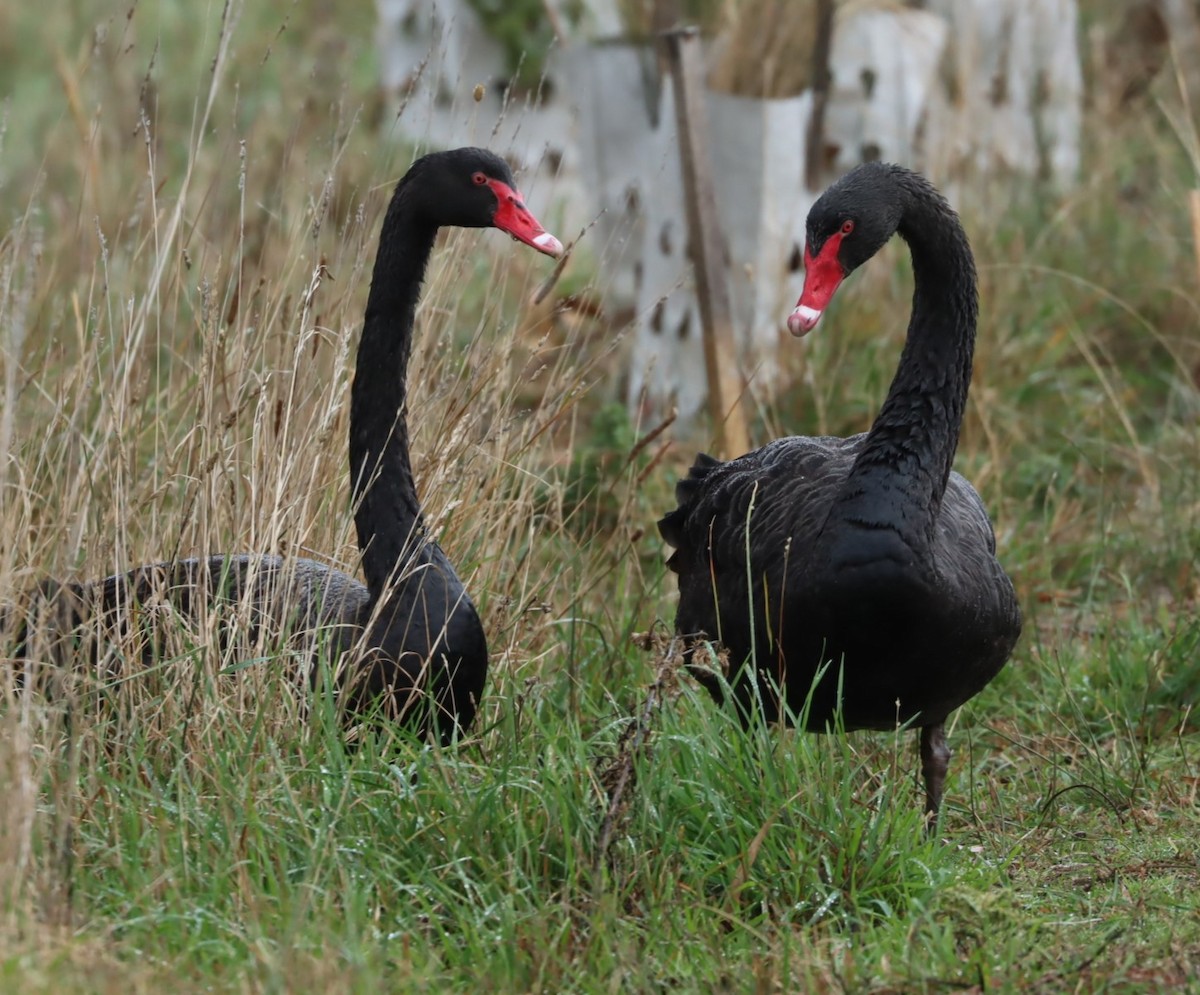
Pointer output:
671, 526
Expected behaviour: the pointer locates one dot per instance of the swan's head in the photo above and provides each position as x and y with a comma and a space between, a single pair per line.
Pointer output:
474, 188
847, 225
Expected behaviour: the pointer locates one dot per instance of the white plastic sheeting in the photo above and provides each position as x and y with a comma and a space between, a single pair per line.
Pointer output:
602, 146
884, 68
1016, 102
434, 54
758, 160
964, 90
612, 90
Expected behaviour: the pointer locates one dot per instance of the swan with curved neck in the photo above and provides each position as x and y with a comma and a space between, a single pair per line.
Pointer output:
418, 623
409, 639
857, 575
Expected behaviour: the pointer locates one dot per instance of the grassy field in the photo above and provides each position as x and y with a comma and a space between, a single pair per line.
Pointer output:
189, 206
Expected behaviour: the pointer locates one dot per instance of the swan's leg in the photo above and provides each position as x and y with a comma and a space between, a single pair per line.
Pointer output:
935, 758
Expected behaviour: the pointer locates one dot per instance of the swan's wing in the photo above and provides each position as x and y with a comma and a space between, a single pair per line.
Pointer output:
746, 522
129, 613
282, 594
783, 490
970, 574
964, 516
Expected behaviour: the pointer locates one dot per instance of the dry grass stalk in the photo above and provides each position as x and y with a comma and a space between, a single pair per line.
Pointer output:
619, 775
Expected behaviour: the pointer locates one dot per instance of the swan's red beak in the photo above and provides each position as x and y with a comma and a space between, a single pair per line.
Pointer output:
513, 216
823, 274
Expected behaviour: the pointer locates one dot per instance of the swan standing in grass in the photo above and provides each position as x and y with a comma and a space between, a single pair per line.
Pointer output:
867, 556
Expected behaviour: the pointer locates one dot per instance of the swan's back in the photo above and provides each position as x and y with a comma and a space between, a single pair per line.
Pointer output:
243, 601
422, 644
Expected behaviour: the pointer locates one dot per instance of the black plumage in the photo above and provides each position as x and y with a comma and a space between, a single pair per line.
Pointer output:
865, 554
410, 638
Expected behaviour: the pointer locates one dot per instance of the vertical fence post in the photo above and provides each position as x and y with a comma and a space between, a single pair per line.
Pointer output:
814, 152
706, 246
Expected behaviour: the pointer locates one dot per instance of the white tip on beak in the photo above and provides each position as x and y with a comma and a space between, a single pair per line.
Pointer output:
803, 320
548, 244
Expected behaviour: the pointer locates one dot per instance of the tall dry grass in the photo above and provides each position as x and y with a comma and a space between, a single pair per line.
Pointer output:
180, 298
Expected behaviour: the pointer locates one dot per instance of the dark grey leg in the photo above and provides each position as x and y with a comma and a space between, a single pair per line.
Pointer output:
935, 758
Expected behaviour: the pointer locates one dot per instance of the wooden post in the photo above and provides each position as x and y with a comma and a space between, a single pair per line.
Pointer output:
665, 15
706, 246
814, 151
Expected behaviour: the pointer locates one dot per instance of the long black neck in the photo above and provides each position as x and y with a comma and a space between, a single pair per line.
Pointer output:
898, 480
387, 511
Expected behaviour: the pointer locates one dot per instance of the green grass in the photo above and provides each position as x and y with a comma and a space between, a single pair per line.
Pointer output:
177, 322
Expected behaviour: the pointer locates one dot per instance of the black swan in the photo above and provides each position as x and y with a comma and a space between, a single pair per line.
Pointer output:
414, 640
866, 554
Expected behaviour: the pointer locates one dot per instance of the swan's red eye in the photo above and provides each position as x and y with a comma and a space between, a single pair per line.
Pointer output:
479, 179
847, 226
